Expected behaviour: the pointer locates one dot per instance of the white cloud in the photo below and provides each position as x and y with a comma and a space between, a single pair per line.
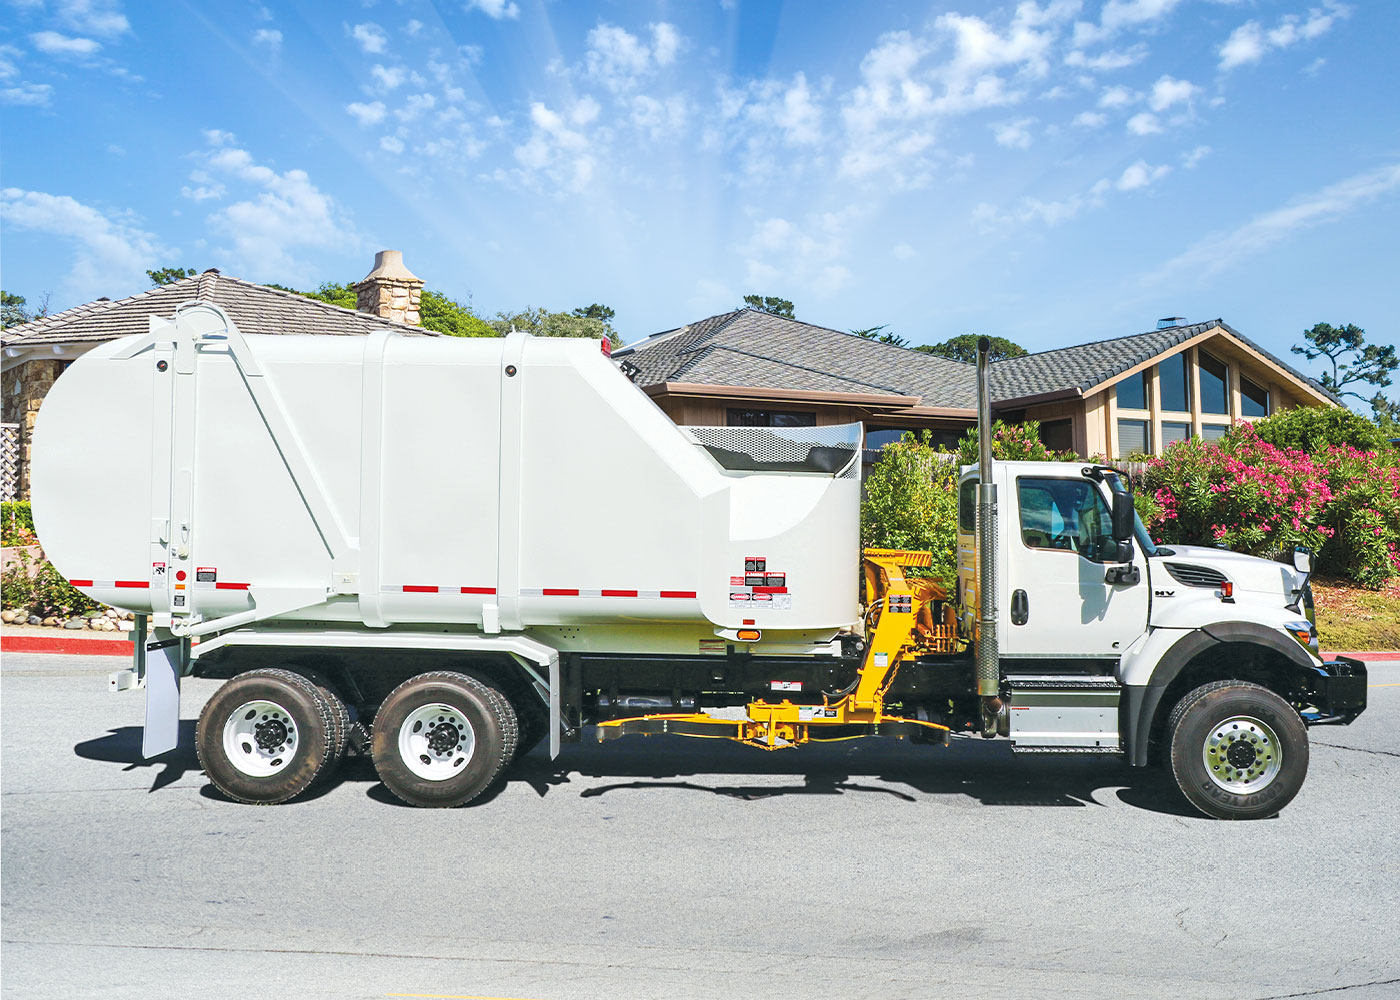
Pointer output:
217, 137
1090, 119
54, 44
109, 255
98, 17
555, 151
495, 9
279, 215
412, 27
415, 106
389, 78
1144, 123
367, 114
618, 59
204, 188
1141, 175
1117, 97
807, 257
903, 251
1111, 60
660, 118
371, 37
34, 95
1013, 135
391, 144
1228, 247
271, 38
1251, 41
1122, 15
1168, 90
8, 55
1192, 159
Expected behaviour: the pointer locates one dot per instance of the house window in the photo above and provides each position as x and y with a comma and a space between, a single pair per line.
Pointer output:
1173, 432
1058, 435
1172, 380
1132, 392
772, 418
1215, 381
1214, 432
1254, 399
878, 437
1133, 438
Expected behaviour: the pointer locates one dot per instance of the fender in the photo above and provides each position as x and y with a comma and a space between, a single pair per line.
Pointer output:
1140, 701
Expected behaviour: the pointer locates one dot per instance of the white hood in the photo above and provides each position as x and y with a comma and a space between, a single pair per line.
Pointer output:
1263, 576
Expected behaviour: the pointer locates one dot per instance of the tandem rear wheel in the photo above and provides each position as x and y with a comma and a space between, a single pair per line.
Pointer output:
441, 739
1238, 751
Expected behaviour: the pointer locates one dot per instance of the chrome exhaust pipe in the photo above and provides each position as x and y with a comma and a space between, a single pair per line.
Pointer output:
988, 647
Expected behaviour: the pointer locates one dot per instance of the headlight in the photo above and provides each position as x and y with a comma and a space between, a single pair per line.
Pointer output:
1304, 633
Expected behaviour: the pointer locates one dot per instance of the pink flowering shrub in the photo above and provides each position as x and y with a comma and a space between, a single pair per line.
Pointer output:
1251, 496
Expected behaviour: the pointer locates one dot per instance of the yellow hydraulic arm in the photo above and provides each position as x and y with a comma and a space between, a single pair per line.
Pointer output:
899, 626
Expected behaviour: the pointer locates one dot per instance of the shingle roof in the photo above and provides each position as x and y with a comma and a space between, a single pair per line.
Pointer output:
747, 347
255, 308
1086, 365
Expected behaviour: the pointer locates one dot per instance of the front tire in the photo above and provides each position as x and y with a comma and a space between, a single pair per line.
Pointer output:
1238, 751
441, 739
265, 736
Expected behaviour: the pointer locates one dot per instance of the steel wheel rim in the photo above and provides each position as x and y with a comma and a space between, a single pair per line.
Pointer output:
1242, 755
436, 741
260, 738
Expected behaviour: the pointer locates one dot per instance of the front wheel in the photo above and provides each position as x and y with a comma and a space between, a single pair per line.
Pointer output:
1238, 751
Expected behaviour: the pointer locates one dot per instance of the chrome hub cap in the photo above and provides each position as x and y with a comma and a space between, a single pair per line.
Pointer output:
436, 741
1242, 755
260, 738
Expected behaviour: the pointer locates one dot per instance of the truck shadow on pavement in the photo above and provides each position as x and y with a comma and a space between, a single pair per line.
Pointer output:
891, 771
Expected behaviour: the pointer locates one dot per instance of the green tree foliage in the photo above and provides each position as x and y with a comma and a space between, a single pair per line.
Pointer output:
12, 310
1368, 364
881, 335
165, 275
964, 348
1316, 428
595, 311
1386, 414
334, 292
543, 323
911, 502
770, 304
437, 312
1013, 443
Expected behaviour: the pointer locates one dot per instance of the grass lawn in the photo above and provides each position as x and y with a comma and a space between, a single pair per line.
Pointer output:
1351, 618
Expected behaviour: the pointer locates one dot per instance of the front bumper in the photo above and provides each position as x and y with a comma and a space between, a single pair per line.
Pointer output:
1335, 692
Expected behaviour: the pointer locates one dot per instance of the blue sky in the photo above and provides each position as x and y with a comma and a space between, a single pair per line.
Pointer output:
1051, 172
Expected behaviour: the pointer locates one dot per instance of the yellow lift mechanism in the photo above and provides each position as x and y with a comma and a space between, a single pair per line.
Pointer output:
899, 626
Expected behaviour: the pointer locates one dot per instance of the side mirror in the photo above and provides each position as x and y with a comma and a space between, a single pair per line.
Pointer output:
1302, 559
1124, 553
1123, 520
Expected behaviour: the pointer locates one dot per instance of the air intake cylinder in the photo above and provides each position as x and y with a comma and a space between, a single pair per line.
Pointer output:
988, 649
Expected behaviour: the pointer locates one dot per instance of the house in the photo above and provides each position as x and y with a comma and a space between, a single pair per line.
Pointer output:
35, 353
1112, 397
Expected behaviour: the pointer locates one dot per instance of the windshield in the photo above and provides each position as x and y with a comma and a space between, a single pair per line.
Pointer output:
1143, 538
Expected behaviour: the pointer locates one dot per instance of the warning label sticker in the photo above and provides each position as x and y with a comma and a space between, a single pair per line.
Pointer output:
785, 685
806, 713
774, 602
205, 574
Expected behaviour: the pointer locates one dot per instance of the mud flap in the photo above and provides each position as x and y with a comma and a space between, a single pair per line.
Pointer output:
165, 661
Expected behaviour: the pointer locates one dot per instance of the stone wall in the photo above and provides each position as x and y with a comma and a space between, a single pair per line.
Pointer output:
390, 299
26, 385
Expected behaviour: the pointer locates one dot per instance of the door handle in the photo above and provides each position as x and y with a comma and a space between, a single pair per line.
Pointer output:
1020, 608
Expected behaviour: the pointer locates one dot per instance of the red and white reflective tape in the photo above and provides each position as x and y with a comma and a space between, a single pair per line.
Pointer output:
112, 584
219, 585
422, 588
577, 592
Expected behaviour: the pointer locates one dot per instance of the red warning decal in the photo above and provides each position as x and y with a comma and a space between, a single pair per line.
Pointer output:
205, 574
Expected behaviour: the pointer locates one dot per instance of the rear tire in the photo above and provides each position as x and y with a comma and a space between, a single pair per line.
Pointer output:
1238, 751
265, 737
442, 738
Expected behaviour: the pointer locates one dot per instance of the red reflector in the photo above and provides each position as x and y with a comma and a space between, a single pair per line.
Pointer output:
478, 590
412, 589
1227, 590
607, 347
232, 586
81, 583
748, 621
619, 593
558, 592
678, 593
770, 590
748, 634
134, 584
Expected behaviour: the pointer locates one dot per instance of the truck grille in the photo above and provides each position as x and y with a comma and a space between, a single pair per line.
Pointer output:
1195, 576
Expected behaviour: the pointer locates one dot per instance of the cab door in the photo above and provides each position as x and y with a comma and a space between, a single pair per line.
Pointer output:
1059, 599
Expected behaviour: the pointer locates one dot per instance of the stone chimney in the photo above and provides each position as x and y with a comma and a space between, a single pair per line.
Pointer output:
390, 291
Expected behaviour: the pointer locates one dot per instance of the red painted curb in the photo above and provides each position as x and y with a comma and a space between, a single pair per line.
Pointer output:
1366, 657
71, 647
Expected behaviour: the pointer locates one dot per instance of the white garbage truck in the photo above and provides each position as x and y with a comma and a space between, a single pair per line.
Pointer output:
442, 552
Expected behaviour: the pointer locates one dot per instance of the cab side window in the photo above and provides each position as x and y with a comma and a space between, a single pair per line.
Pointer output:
1069, 515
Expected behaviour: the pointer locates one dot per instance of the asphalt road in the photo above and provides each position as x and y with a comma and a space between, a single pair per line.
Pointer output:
673, 868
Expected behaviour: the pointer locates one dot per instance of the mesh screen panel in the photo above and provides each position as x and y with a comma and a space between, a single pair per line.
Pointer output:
829, 450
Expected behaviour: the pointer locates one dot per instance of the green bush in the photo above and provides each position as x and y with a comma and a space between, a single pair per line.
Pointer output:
45, 593
1315, 428
16, 523
911, 502
1013, 443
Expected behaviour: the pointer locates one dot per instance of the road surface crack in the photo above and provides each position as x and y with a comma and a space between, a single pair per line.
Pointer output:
1330, 989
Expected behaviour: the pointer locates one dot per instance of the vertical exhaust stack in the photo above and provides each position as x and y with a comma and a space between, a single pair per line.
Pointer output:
988, 647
